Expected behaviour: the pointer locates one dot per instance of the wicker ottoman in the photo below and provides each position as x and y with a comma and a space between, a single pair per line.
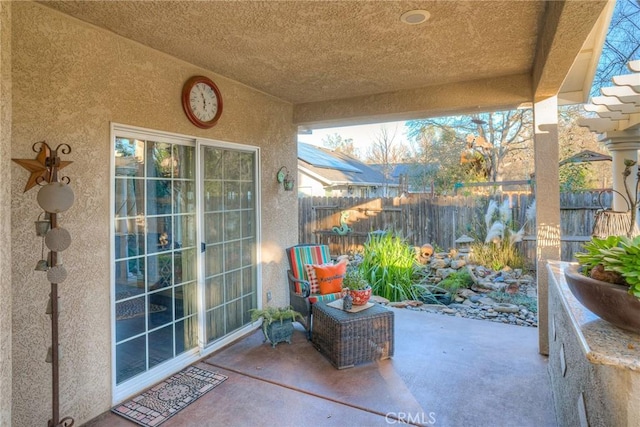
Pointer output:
350, 338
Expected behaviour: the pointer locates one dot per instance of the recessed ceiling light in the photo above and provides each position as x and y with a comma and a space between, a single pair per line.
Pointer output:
415, 17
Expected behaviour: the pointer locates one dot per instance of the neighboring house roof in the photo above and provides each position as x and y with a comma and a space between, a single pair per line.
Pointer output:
407, 169
335, 168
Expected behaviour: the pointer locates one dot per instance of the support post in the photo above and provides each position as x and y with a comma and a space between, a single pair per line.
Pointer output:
622, 145
545, 122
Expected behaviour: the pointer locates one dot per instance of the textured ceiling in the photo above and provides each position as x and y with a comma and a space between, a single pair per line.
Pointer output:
352, 62
309, 51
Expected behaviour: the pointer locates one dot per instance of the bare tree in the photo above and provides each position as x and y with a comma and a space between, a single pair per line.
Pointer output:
490, 138
342, 145
621, 45
386, 151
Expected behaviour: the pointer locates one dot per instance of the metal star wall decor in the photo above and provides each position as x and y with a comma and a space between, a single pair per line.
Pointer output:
40, 172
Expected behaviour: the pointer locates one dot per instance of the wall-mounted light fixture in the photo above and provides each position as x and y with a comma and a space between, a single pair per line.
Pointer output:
285, 179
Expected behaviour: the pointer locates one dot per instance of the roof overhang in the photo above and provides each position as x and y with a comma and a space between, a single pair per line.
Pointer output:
356, 62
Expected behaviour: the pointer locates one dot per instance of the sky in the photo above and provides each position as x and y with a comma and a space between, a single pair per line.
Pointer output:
362, 135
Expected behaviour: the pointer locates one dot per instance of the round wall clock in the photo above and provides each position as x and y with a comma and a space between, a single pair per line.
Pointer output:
202, 101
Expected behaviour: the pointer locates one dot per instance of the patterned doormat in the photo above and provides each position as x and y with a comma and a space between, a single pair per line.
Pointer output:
158, 404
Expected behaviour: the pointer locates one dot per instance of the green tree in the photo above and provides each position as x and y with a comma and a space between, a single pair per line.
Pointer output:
437, 161
573, 139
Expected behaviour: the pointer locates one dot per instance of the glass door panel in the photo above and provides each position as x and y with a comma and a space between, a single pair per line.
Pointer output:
155, 254
229, 237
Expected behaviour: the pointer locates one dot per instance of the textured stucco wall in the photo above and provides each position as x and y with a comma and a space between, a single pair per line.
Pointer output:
70, 80
5, 214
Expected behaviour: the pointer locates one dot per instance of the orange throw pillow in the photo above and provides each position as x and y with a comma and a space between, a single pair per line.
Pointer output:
330, 277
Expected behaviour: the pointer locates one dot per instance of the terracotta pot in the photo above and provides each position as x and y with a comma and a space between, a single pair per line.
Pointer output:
608, 301
360, 297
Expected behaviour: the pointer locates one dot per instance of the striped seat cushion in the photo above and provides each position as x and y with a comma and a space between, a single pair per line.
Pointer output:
306, 254
313, 298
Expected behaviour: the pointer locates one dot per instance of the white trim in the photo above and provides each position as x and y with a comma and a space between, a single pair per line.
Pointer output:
363, 184
314, 175
200, 239
134, 385
330, 183
144, 133
112, 256
258, 173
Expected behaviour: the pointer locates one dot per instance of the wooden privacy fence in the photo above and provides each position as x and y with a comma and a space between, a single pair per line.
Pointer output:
344, 223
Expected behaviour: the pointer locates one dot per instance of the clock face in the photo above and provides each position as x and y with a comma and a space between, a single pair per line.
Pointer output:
201, 101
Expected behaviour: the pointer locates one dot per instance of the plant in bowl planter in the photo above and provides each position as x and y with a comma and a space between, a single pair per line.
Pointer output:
277, 323
608, 280
355, 284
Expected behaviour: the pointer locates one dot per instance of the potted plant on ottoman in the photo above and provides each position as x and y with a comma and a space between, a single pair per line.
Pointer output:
608, 280
277, 323
355, 284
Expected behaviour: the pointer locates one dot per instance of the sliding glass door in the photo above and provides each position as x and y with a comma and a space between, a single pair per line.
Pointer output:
184, 249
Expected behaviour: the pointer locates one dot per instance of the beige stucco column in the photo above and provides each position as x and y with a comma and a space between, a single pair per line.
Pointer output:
622, 145
545, 116
5, 216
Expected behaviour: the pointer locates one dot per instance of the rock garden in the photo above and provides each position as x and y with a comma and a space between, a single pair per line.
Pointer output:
450, 285
477, 292
486, 280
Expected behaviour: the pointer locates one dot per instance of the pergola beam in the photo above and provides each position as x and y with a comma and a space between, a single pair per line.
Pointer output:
619, 127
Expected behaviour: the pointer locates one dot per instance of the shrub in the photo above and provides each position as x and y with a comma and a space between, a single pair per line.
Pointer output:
388, 265
497, 255
458, 280
499, 249
354, 279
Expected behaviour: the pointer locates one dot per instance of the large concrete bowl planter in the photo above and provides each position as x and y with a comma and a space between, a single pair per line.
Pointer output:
608, 301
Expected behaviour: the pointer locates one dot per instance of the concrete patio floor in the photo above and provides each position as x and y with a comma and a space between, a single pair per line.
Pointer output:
446, 371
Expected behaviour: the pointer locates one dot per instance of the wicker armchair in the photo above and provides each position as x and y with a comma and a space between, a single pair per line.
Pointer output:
302, 293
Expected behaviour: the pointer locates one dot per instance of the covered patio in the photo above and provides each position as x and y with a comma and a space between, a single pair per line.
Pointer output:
93, 73
446, 371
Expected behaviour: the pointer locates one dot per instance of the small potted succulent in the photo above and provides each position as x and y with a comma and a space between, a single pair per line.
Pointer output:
277, 323
355, 285
607, 281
